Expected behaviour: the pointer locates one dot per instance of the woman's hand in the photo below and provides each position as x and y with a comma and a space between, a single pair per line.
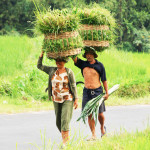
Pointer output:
76, 104
42, 53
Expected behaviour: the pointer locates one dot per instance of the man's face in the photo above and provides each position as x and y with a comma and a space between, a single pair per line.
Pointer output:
89, 57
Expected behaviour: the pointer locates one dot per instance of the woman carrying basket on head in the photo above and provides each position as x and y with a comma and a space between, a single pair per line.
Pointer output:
62, 89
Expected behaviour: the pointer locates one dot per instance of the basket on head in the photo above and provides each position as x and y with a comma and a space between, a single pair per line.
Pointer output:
62, 44
97, 26
94, 35
61, 38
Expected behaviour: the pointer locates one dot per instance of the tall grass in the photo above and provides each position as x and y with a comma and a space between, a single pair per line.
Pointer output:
14, 50
130, 70
124, 67
138, 140
126, 141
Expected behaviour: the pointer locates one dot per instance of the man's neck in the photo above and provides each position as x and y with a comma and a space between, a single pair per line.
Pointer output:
93, 61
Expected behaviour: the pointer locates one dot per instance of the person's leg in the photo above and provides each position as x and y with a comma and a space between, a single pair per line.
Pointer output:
65, 136
102, 109
91, 122
58, 107
92, 126
101, 119
67, 109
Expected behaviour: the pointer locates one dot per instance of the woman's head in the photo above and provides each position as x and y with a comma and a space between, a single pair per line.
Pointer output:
60, 62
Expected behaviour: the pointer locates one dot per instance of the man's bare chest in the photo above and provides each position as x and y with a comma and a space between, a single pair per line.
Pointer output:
90, 72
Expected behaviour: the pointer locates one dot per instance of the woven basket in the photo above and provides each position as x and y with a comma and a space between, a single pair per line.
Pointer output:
64, 53
95, 43
64, 35
51, 53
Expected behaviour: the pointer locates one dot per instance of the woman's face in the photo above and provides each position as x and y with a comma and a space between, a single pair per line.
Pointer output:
60, 64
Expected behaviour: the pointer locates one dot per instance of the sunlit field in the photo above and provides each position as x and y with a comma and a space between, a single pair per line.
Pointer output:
20, 78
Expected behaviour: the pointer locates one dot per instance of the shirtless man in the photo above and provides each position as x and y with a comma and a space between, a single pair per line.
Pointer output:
93, 71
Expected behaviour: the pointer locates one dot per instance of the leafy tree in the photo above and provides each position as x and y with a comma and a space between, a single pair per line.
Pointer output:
16, 16
133, 18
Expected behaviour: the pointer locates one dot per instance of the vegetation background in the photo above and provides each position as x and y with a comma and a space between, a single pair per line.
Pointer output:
133, 18
127, 62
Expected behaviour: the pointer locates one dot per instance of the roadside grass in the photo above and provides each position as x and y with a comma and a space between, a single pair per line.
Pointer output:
125, 141
20, 79
116, 101
138, 140
20, 105
15, 105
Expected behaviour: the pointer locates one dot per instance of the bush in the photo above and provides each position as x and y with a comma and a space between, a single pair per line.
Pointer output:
142, 40
128, 46
134, 89
5, 88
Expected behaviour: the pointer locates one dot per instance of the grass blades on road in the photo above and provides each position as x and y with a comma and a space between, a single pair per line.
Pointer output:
124, 140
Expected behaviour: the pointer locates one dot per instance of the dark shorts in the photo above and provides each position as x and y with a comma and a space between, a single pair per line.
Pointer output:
89, 94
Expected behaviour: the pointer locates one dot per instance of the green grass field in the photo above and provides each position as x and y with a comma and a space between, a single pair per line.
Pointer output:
20, 80
123, 140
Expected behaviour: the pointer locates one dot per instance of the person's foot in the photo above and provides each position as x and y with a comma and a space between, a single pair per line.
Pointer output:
93, 138
104, 132
63, 146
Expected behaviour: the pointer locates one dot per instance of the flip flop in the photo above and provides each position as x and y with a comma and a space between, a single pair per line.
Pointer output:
104, 133
91, 139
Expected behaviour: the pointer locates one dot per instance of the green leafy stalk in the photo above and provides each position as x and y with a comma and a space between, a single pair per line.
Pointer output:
92, 107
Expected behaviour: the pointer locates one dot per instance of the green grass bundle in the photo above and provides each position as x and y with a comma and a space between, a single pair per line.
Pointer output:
92, 107
96, 16
56, 21
60, 30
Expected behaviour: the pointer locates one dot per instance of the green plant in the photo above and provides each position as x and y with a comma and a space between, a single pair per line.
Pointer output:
5, 88
96, 15
56, 21
142, 40
92, 106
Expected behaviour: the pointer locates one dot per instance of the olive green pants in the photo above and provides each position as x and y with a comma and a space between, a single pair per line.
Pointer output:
63, 112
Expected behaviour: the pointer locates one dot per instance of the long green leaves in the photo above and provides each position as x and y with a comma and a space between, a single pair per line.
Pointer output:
92, 107
56, 21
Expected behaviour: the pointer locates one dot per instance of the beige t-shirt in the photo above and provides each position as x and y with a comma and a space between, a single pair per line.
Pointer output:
60, 88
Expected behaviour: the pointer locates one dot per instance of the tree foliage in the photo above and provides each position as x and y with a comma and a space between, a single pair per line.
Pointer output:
133, 17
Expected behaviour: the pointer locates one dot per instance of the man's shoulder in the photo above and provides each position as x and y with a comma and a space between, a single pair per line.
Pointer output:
80, 63
98, 62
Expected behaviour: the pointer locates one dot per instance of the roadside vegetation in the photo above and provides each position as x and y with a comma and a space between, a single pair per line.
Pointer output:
23, 85
122, 140
126, 141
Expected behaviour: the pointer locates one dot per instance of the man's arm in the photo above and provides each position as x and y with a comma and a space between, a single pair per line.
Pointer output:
75, 59
106, 89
